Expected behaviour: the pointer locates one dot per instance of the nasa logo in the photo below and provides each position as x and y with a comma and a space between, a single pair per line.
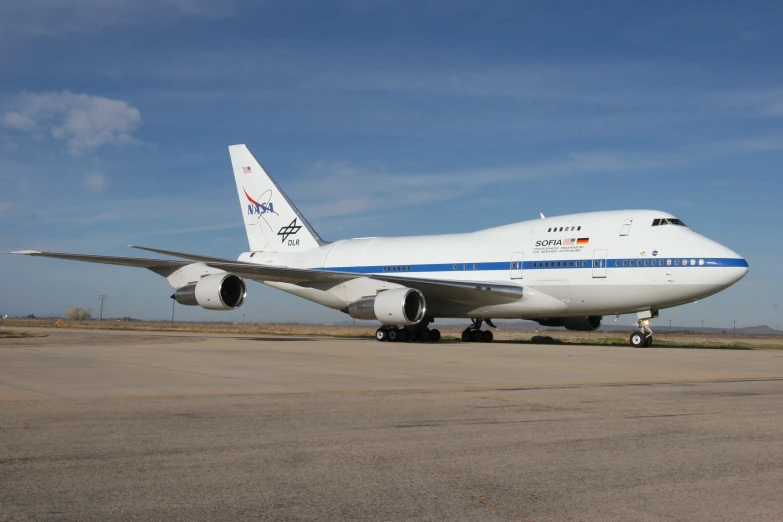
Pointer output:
261, 208
655, 252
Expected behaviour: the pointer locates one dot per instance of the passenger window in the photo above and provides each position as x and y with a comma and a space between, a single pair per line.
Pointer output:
646, 262
474, 267
676, 262
464, 267
625, 262
684, 262
693, 262
701, 262
550, 230
455, 267
668, 262
579, 228
572, 264
561, 229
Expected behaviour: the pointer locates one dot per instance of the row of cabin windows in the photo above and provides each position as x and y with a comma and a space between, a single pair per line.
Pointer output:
668, 221
396, 269
618, 262
465, 267
659, 262
559, 264
564, 229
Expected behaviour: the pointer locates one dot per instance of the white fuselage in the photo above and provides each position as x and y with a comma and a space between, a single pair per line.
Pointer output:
588, 264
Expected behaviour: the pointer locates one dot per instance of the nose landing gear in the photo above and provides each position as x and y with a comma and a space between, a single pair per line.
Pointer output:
474, 333
643, 337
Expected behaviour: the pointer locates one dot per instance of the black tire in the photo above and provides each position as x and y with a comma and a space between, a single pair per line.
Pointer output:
486, 336
638, 340
381, 335
424, 336
649, 341
477, 336
466, 336
394, 335
434, 335
404, 335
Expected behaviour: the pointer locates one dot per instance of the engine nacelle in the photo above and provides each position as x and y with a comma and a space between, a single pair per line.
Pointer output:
582, 324
213, 292
400, 306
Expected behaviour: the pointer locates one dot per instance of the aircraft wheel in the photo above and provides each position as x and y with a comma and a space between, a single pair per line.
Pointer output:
466, 337
478, 336
434, 335
394, 335
486, 336
649, 341
638, 340
381, 334
424, 336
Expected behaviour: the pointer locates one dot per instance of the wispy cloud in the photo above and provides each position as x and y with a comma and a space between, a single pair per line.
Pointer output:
84, 122
28, 19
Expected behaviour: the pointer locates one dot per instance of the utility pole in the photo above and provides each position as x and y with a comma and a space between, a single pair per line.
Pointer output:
173, 302
702, 326
670, 326
735, 328
243, 318
101, 298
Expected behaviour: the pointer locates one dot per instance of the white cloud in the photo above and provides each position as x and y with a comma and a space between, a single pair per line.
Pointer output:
84, 122
15, 120
96, 181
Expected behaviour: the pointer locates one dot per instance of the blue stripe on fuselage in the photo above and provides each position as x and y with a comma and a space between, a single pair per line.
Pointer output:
569, 264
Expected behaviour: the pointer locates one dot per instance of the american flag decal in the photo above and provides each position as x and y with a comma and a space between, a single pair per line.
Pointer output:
571, 241
246, 170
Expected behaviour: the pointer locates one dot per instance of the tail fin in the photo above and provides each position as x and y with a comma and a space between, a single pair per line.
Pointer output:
272, 222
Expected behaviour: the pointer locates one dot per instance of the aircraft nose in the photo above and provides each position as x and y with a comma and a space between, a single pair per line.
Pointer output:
735, 267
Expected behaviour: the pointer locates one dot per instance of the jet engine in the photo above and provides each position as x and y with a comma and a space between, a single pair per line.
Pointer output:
213, 292
400, 306
582, 324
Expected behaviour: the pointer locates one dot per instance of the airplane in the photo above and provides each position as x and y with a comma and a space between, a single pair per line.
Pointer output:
566, 271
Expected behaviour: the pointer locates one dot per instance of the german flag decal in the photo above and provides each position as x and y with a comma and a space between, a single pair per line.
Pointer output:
583, 241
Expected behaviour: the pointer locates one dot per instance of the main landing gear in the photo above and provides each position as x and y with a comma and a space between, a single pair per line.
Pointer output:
418, 333
474, 333
643, 337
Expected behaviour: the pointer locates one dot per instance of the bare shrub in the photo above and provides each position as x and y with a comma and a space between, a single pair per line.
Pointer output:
79, 314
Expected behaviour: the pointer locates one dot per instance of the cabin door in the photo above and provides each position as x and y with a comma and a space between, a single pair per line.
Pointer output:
626, 227
516, 265
599, 264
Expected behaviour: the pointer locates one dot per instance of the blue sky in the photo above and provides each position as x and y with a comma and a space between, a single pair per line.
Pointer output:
379, 118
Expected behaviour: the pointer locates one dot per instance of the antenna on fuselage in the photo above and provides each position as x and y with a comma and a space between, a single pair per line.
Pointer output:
542, 215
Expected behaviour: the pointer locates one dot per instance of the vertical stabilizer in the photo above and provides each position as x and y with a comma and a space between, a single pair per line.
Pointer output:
272, 221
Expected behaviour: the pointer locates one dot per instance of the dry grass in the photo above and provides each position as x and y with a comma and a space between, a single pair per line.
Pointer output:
449, 332
15, 334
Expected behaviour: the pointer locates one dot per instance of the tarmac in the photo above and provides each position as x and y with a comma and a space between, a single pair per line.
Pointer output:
103, 425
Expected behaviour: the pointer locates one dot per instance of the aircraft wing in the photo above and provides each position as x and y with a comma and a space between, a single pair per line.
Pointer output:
446, 290
164, 267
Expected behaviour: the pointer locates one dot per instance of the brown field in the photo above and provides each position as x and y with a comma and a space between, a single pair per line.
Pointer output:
449, 332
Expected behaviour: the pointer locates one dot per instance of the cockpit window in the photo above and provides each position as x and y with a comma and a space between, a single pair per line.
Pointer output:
668, 221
